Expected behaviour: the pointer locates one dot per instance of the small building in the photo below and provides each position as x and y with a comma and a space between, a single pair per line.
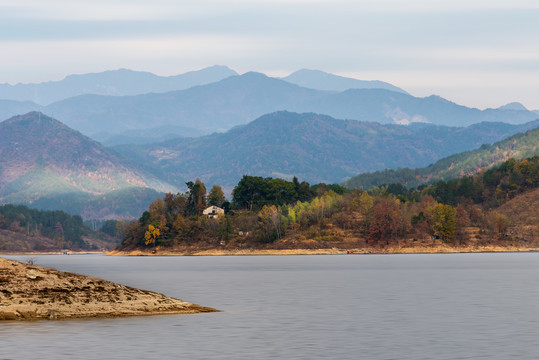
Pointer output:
213, 212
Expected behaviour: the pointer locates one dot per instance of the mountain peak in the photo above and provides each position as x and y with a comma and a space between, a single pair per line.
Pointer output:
439, 99
304, 71
254, 75
320, 80
32, 120
42, 158
219, 67
513, 106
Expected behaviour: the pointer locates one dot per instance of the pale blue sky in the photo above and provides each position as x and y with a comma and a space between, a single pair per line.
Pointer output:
476, 52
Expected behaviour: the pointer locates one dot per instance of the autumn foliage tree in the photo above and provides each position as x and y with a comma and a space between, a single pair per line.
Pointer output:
443, 222
385, 221
151, 235
271, 220
267, 210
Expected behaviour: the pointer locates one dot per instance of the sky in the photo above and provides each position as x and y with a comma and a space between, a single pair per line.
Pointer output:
478, 53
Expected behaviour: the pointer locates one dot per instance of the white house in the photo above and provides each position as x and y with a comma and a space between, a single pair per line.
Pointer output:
213, 212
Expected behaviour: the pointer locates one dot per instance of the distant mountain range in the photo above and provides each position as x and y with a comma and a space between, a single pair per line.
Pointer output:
114, 82
316, 148
218, 106
519, 146
238, 99
124, 82
42, 159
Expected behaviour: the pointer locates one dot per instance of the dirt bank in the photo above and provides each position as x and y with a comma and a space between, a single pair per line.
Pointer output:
333, 251
32, 292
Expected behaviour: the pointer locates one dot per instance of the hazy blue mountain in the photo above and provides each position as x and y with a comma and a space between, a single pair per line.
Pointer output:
513, 106
320, 80
214, 107
146, 136
43, 161
237, 100
9, 108
114, 82
316, 148
386, 106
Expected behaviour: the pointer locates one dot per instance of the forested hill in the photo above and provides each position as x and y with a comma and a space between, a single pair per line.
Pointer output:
518, 146
43, 162
25, 229
314, 147
457, 215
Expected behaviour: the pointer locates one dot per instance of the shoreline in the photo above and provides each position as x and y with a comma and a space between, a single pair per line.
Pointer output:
332, 251
29, 253
283, 252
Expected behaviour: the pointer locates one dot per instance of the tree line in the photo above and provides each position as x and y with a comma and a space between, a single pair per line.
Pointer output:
263, 211
65, 229
177, 218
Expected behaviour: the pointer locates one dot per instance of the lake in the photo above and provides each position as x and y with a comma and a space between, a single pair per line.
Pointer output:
432, 306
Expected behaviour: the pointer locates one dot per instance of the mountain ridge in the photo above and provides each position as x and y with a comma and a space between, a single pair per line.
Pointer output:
41, 157
121, 82
320, 80
518, 146
238, 99
314, 147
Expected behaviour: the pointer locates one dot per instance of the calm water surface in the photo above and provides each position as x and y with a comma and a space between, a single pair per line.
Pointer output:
458, 306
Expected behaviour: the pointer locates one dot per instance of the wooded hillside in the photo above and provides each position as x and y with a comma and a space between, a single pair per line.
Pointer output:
460, 213
24, 229
518, 146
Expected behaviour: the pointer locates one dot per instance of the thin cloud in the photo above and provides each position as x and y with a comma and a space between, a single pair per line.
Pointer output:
412, 43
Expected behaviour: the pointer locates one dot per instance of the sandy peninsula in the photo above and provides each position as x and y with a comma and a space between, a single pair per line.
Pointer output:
32, 292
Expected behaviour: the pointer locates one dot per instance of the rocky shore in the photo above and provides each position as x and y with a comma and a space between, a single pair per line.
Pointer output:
32, 292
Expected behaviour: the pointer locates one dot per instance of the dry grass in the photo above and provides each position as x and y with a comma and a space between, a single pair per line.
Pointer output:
438, 249
12, 241
523, 213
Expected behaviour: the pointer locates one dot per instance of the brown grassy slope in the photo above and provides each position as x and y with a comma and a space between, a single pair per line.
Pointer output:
19, 242
31, 292
523, 212
13, 241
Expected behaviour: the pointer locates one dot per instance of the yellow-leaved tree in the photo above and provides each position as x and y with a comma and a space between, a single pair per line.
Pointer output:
151, 234
443, 221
